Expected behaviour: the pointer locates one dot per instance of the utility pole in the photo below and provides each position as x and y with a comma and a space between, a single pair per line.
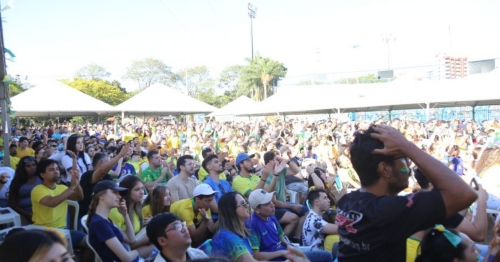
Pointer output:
251, 13
388, 38
4, 95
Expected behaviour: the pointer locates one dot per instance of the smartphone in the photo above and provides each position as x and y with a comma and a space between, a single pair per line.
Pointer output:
4, 211
475, 183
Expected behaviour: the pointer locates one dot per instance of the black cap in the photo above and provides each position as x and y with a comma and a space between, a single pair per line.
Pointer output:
108, 184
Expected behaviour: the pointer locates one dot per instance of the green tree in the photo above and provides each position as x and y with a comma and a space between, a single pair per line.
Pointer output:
92, 71
210, 97
17, 86
100, 89
149, 71
229, 78
261, 74
195, 79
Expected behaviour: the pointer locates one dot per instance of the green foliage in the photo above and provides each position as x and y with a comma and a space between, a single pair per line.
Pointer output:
210, 97
150, 71
195, 79
77, 120
111, 93
229, 78
92, 72
260, 75
370, 78
17, 86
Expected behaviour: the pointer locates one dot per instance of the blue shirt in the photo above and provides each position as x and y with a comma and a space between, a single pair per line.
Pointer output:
222, 187
265, 236
101, 230
229, 245
126, 170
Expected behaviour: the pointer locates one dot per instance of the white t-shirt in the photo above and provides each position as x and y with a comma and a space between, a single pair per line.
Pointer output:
67, 163
193, 253
311, 232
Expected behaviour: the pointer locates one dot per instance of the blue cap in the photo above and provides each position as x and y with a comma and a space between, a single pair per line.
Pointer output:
242, 157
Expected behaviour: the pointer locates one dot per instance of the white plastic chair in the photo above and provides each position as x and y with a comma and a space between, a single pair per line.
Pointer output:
294, 195
76, 206
84, 223
97, 258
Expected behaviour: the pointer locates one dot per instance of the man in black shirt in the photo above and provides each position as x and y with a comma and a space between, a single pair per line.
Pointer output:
374, 222
102, 165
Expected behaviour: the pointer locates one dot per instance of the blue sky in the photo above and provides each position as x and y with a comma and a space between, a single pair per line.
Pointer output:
53, 39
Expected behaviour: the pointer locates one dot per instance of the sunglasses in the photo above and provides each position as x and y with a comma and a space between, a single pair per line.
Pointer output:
29, 159
177, 227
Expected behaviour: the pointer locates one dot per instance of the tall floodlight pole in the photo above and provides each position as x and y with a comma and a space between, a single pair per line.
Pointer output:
388, 38
251, 13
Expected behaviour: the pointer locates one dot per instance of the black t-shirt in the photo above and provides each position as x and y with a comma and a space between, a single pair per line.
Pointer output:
375, 228
453, 221
87, 188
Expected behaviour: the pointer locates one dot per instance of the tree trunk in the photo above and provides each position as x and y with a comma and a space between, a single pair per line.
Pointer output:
265, 89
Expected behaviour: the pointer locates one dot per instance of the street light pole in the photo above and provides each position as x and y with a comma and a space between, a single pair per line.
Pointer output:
4, 95
251, 13
388, 38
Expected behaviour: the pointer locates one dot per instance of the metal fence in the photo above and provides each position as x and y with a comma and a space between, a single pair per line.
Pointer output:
450, 113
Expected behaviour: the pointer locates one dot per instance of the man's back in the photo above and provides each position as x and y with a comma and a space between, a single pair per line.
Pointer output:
375, 228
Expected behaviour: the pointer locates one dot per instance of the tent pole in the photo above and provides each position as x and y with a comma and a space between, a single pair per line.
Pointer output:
427, 111
390, 115
123, 117
474, 112
338, 113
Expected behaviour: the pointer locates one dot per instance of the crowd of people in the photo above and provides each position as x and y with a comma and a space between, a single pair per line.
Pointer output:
396, 190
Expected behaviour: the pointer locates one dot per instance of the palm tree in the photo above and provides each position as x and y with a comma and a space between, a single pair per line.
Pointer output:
258, 75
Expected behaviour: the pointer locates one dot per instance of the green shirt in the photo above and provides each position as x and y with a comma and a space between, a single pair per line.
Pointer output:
280, 184
148, 175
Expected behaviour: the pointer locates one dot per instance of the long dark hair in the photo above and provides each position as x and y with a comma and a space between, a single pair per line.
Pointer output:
20, 177
71, 146
129, 182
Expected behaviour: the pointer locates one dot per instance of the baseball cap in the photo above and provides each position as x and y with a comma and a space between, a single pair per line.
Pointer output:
108, 184
242, 157
203, 190
259, 197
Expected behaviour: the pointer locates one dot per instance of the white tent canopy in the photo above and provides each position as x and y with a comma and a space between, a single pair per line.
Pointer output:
53, 99
397, 95
159, 99
234, 108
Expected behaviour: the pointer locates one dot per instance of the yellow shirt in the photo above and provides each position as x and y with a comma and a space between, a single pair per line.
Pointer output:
245, 185
54, 217
174, 142
26, 152
14, 161
185, 210
330, 240
412, 245
146, 211
119, 221
202, 174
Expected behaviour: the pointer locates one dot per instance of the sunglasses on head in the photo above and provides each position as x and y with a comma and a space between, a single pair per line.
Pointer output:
29, 159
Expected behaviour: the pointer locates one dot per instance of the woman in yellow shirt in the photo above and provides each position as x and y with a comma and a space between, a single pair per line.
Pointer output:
174, 140
133, 200
157, 202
